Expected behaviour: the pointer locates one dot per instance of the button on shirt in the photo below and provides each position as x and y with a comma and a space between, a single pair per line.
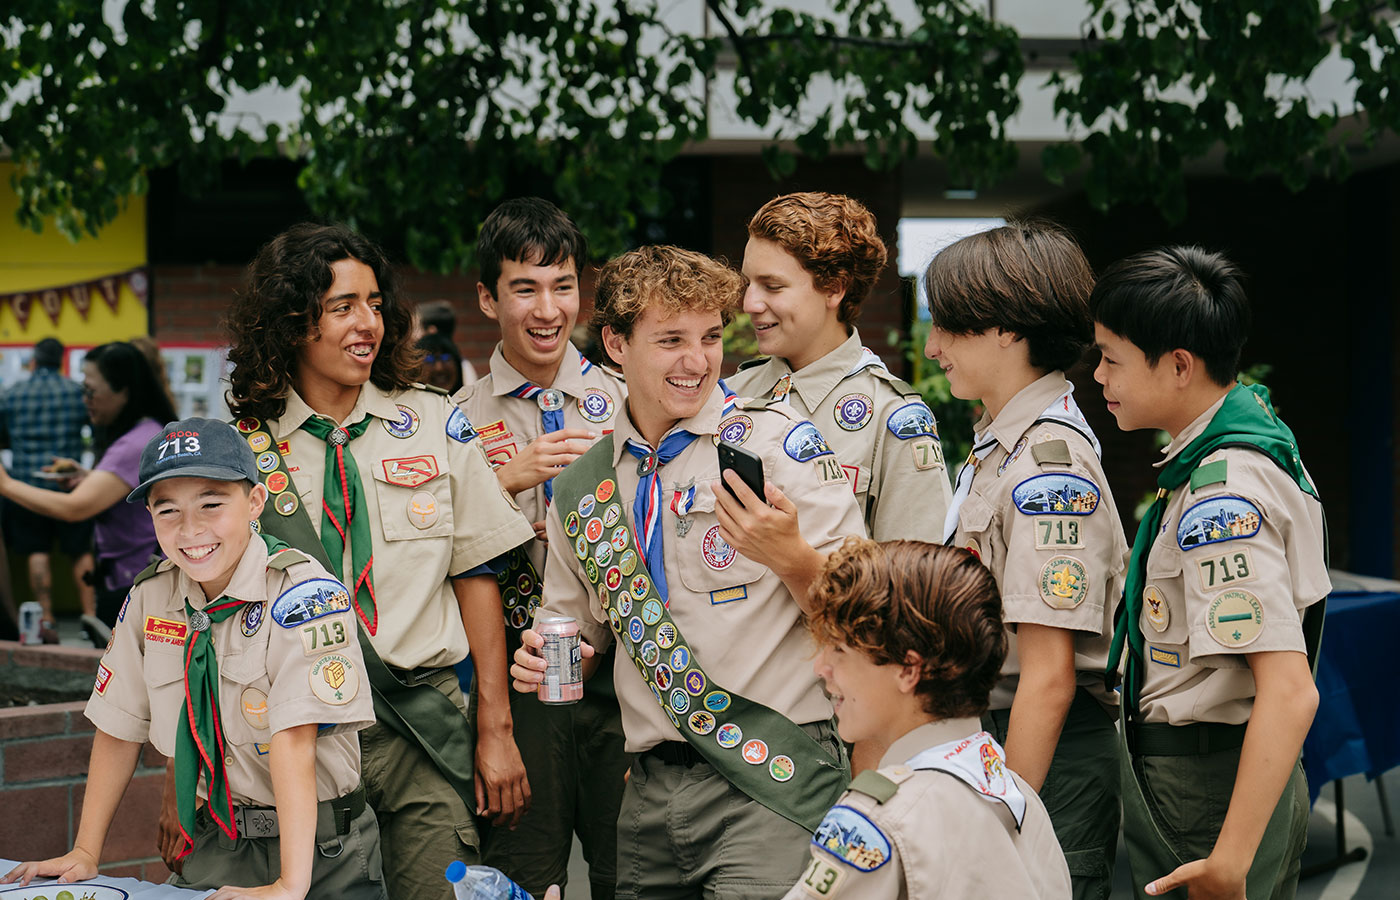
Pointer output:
743, 626
1035, 555
265, 676
1253, 555
900, 485
425, 529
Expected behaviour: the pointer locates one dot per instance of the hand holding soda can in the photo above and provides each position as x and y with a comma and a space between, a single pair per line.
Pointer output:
563, 656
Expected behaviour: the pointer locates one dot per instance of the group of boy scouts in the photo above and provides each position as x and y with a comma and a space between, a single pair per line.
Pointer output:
978, 645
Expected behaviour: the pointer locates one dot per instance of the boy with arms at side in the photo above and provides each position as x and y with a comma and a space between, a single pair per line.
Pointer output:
538, 408
1010, 315
1222, 609
260, 727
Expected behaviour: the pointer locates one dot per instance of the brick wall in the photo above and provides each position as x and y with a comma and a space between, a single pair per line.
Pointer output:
44, 753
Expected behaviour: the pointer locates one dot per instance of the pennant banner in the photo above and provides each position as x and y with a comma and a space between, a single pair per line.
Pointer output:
79, 294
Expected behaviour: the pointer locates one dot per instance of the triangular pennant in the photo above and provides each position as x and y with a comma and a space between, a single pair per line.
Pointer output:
136, 279
81, 295
52, 303
110, 290
22, 304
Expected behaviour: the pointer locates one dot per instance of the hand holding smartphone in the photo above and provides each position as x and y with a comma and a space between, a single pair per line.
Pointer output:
747, 464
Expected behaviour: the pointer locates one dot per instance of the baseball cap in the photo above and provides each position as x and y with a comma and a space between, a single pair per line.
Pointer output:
195, 448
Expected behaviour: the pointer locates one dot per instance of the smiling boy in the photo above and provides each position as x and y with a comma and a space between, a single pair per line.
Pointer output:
262, 730
1223, 604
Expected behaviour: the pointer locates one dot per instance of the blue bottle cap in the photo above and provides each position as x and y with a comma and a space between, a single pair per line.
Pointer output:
456, 871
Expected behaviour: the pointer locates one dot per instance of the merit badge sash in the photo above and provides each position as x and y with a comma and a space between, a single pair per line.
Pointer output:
978, 762
418, 712
759, 750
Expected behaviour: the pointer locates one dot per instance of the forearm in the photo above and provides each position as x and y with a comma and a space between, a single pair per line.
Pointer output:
293, 765
800, 570
479, 601
54, 504
110, 768
1037, 717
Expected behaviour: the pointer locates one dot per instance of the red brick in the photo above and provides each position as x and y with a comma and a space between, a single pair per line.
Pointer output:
68, 659
31, 721
34, 822
133, 833
45, 759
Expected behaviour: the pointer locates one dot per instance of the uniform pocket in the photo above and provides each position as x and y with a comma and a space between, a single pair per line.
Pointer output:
1164, 619
706, 562
165, 675
243, 698
408, 513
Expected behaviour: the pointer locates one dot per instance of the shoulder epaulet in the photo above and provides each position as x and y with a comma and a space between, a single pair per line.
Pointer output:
151, 571
761, 403
875, 786
285, 559
904, 388
1051, 452
431, 388
756, 361
1208, 474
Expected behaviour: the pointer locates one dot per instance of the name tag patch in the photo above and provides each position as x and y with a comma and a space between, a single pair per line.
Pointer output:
165, 631
1216, 520
853, 839
1056, 493
310, 600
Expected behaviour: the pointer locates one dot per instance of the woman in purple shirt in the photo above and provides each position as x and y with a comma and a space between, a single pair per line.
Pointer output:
126, 405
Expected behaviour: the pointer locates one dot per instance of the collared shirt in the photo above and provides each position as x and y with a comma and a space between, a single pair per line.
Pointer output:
1054, 544
743, 626
936, 837
900, 483
435, 510
267, 675
42, 417
1231, 572
505, 425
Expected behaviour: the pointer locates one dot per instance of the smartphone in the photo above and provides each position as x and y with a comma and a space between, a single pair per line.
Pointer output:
746, 463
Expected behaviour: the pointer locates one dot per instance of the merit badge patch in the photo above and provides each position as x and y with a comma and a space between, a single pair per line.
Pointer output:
613, 578
853, 411
404, 426
1011, 457
782, 768
755, 753
310, 600
1063, 582
735, 429
627, 562
912, 420
247, 425
334, 679
581, 547
277, 482
267, 461
619, 538
165, 631
680, 701
1155, 608
639, 587
104, 678
254, 704
663, 677
586, 504
1235, 618
666, 635
680, 658
928, 453
717, 701
852, 838
695, 682
821, 878
593, 530
422, 509
701, 722
596, 405
1164, 657
718, 554
804, 442
729, 735
650, 653
410, 471
1218, 519
624, 603
287, 503
571, 524
1057, 494
635, 629
612, 515
252, 618
605, 490
603, 554
259, 441
459, 427
651, 611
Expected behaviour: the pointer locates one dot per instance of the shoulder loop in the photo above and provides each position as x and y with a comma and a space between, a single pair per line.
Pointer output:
760, 403
874, 785
899, 384
1051, 452
285, 559
750, 363
1208, 474
149, 572
430, 388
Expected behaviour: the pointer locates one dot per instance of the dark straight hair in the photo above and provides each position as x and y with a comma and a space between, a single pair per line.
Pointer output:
126, 368
530, 230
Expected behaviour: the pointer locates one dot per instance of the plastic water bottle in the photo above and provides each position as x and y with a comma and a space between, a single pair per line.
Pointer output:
483, 883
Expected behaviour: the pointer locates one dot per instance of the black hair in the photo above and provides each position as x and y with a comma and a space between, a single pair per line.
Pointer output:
125, 368
1177, 297
48, 353
531, 230
439, 343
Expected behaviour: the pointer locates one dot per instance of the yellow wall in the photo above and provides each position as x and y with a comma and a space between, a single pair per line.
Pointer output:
30, 261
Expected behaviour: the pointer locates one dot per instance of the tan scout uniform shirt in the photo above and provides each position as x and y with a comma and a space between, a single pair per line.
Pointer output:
901, 485
269, 677
945, 839
434, 506
505, 425
742, 624
1061, 570
1252, 563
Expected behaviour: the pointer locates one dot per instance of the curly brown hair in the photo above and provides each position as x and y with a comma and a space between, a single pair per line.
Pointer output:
833, 237
890, 598
674, 279
277, 312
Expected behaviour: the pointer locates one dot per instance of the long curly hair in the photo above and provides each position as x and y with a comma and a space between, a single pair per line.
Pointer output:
277, 313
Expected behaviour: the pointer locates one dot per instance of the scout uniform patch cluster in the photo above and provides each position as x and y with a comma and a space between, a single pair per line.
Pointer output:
883, 436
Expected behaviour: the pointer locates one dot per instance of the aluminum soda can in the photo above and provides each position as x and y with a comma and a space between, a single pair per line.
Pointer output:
31, 616
562, 651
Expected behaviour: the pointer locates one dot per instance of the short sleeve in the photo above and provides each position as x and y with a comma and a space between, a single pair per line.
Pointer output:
488, 523
862, 865
120, 702
808, 472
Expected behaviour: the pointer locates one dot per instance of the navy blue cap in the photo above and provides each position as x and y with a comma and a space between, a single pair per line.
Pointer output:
195, 448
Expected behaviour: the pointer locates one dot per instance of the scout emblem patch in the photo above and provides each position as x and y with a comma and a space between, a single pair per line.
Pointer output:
1154, 606
718, 554
805, 442
1235, 618
310, 600
459, 428
252, 618
334, 679
735, 429
1056, 493
422, 509
410, 471
404, 426
1063, 582
912, 420
1218, 519
596, 405
852, 838
853, 411
254, 704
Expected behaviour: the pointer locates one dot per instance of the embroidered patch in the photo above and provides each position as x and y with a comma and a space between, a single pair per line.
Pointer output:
586, 505
639, 587
859, 485
571, 524
680, 701
267, 461
829, 470
666, 635
405, 425
650, 653
805, 442
1164, 657
1057, 533
729, 594
605, 490
782, 768
459, 427
259, 441
663, 677
701, 722
680, 658
729, 735
104, 678
695, 682
262, 749
410, 471
285, 448
619, 537
755, 753
581, 547
334, 679
974, 548
1063, 582
1056, 493
254, 704
310, 600
277, 482
590, 569
165, 631
1011, 457
495, 432
821, 879
1154, 606
612, 515
286, 503
651, 611
596, 405
252, 618
422, 510
635, 629
912, 420
603, 554
624, 603
1226, 569
717, 701
499, 456
718, 554
1217, 519
1235, 619
853, 411
121, 614
735, 429
593, 530
627, 562
247, 424
852, 838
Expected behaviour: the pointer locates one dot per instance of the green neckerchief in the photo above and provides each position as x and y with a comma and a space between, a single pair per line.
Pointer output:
1245, 419
342, 507
201, 728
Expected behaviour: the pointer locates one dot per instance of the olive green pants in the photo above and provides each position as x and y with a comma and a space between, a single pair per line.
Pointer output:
346, 865
1081, 792
423, 824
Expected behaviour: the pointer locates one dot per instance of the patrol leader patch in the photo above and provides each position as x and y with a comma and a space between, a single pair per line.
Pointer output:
459, 427
310, 600
1056, 494
1218, 519
410, 471
852, 838
1235, 619
912, 420
804, 442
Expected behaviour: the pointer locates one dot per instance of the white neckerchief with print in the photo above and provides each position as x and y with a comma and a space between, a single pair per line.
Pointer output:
979, 762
